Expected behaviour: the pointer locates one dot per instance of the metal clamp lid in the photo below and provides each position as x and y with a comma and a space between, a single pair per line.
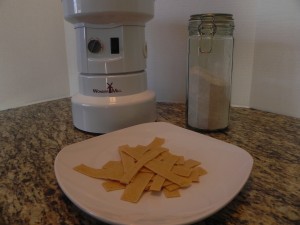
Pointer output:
219, 19
207, 25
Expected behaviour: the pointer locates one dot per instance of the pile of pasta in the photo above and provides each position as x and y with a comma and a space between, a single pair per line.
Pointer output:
145, 168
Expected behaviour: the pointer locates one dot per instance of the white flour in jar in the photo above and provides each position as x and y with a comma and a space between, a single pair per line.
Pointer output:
208, 100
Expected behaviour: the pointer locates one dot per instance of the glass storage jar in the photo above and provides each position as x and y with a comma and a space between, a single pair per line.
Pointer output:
210, 58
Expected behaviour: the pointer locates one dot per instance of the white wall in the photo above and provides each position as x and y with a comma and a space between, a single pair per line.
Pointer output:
276, 73
33, 64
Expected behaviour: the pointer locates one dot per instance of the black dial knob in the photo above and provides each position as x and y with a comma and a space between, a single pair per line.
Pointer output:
94, 46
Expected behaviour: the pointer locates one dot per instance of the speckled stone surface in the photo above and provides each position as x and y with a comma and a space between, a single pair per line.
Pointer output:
31, 137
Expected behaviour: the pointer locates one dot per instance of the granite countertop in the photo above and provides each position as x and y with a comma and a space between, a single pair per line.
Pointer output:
31, 137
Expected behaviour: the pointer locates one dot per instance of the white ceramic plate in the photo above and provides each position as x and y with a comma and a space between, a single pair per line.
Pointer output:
228, 169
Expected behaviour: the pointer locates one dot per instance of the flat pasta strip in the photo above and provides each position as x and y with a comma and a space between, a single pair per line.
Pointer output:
113, 185
172, 187
114, 172
196, 173
135, 189
160, 169
157, 142
127, 161
190, 163
200, 171
158, 180
180, 160
111, 164
148, 156
182, 170
135, 152
157, 183
171, 194
89, 171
